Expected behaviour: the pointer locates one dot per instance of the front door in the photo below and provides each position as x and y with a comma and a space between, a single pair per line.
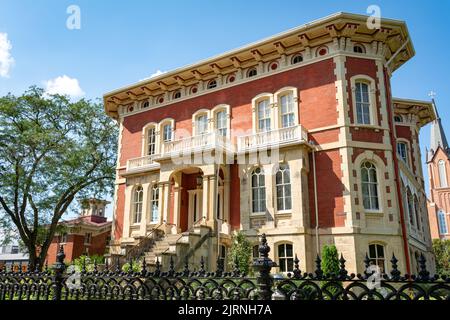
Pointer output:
195, 207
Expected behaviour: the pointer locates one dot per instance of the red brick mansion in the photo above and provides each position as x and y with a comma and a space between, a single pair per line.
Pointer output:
296, 136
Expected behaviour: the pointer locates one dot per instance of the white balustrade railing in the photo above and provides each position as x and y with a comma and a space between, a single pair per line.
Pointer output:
273, 138
194, 144
141, 163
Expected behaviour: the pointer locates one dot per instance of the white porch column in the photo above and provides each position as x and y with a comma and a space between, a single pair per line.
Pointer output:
165, 204
127, 212
145, 209
176, 209
160, 202
205, 198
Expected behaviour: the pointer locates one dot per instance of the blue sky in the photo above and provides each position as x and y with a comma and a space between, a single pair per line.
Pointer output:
121, 42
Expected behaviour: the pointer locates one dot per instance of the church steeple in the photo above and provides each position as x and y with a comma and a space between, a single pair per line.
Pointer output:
438, 138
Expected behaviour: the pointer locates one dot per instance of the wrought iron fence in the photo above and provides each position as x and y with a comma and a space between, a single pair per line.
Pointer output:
58, 283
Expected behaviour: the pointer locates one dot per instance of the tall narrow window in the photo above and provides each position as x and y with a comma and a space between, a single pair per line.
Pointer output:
442, 222
154, 204
376, 255
369, 186
417, 212
410, 203
221, 122
287, 110
87, 238
442, 174
362, 103
223, 255
283, 185
137, 204
402, 151
258, 191
263, 115
151, 141
286, 257
202, 124
167, 133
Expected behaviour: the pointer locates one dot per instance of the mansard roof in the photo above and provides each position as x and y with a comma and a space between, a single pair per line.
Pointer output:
392, 40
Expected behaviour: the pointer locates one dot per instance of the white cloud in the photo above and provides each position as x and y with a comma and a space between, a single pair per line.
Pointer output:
157, 73
6, 60
64, 85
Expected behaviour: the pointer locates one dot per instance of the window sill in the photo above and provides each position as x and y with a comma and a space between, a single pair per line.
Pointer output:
374, 213
284, 213
257, 214
367, 126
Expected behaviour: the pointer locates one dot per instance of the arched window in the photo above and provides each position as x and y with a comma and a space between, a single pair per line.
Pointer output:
358, 48
369, 186
442, 222
297, 59
362, 103
167, 132
376, 255
151, 141
286, 257
177, 95
258, 191
212, 84
442, 174
154, 204
410, 204
137, 204
145, 104
251, 72
398, 118
263, 111
283, 185
287, 112
231, 78
201, 124
402, 151
221, 122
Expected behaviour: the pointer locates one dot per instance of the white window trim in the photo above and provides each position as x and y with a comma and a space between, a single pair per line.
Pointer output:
381, 168
150, 202
277, 255
217, 109
372, 100
274, 184
255, 101
277, 97
408, 152
198, 113
385, 247
133, 205
259, 213
144, 149
442, 213
161, 125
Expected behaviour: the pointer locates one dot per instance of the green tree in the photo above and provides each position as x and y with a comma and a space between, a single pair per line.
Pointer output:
330, 260
441, 249
52, 151
241, 250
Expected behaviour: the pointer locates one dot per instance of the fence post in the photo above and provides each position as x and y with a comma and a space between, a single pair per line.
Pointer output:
59, 270
262, 266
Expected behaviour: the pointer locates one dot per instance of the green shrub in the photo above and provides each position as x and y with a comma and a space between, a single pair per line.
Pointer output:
241, 250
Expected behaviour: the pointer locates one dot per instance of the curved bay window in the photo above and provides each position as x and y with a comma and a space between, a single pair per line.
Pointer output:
258, 191
369, 184
362, 103
283, 186
137, 204
154, 204
286, 257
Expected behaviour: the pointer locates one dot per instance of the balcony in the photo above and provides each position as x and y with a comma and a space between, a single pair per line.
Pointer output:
195, 144
140, 164
272, 139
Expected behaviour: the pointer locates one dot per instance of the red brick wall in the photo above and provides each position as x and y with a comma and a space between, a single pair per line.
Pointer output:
235, 196
118, 221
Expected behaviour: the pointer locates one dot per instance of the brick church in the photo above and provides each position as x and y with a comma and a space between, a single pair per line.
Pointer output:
297, 136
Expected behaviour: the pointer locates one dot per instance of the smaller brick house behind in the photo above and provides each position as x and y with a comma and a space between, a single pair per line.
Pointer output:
89, 234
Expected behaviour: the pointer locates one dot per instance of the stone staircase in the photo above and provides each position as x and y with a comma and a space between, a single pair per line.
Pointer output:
176, 246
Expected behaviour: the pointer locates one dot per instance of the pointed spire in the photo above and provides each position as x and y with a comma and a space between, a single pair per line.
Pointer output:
438, 138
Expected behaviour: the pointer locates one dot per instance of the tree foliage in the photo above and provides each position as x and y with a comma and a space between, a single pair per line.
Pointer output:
330, 259
441, 249
240, 250
52, 152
